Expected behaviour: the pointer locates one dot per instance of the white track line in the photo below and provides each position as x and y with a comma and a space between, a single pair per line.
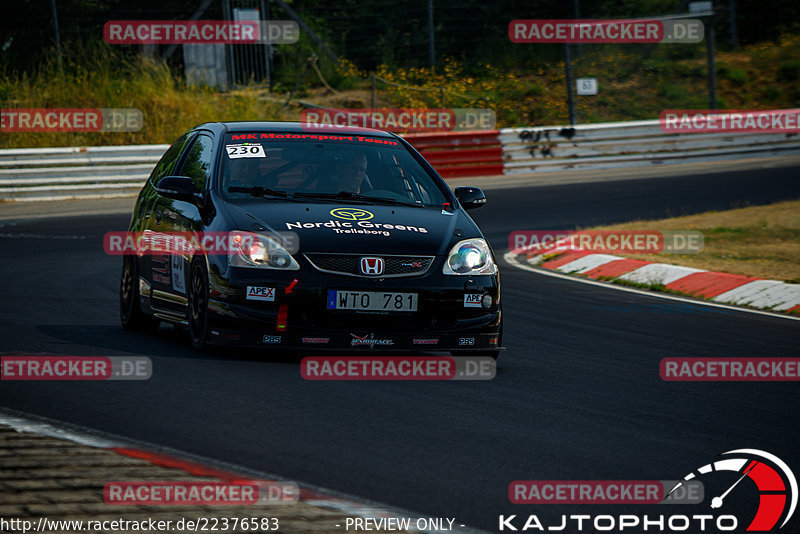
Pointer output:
22, 423
659, 273
509, 257
587, 263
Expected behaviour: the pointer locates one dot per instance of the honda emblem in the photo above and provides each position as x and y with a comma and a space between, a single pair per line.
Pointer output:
372, 266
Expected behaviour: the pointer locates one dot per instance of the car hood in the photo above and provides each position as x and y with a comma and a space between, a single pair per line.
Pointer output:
358, 228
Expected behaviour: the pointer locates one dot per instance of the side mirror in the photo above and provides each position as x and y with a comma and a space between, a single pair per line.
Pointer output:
177, 187
470, 197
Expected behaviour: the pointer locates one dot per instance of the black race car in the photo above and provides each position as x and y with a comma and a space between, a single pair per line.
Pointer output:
309, 239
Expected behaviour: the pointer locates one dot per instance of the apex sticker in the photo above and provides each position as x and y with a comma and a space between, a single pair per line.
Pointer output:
472, 300
261, 293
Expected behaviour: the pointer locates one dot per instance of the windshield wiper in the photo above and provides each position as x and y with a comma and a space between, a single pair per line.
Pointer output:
346, 195
258, 191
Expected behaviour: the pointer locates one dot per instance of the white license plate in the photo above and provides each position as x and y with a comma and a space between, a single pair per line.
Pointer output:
372, 301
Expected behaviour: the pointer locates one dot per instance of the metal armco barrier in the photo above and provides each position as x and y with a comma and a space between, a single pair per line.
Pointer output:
461, 153
92, 172
626, 144
29, 174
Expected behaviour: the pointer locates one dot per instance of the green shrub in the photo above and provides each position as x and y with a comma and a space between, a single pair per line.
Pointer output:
789, 71
534, 89
673, 91
737, 76
772, 93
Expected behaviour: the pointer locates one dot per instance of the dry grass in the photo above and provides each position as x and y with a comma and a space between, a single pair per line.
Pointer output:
761, 76
761, 241
104, 80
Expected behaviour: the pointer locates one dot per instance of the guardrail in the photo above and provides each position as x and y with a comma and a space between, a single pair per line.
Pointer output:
29, 174
84, 172
623, 144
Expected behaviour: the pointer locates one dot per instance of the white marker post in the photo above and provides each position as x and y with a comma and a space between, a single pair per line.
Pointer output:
586, 86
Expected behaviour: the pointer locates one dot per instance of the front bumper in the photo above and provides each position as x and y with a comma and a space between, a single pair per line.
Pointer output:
296, 317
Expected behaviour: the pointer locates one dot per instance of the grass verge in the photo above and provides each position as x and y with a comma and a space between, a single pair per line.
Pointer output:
760, 241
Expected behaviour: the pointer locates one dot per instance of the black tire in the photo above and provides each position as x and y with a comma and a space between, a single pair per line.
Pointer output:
197, 307
130, 314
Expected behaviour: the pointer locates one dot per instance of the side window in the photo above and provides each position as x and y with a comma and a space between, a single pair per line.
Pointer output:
166, 164
197, 164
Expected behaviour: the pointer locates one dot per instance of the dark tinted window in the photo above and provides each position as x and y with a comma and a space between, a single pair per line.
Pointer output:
197, 164
308, 164
166, 164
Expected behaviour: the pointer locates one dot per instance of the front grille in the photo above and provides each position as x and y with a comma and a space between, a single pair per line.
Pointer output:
350, 264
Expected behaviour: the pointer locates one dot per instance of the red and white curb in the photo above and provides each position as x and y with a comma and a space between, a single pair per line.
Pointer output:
206, 467
721, 288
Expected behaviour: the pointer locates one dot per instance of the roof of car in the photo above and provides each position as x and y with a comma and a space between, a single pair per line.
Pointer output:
267, 126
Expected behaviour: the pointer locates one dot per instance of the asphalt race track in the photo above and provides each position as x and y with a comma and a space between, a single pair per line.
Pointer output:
577, 395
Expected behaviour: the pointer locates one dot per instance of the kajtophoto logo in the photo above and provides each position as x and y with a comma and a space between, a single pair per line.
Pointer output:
749, 487
775, 482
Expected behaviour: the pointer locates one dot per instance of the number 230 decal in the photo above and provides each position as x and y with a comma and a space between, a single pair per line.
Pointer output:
245, 151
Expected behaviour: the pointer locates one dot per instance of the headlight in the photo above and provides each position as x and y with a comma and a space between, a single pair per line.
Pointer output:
248, 249
470, 257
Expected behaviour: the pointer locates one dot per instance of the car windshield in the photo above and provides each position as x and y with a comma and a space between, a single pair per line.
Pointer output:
326, 167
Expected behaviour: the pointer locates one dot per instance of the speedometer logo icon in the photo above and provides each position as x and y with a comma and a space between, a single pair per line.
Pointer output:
776, 484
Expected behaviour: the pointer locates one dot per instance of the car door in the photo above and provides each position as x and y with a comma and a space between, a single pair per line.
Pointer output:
180, 217
144, 220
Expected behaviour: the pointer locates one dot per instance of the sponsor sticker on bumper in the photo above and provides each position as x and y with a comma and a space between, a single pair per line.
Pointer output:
316, 340
472, 300
261, 293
